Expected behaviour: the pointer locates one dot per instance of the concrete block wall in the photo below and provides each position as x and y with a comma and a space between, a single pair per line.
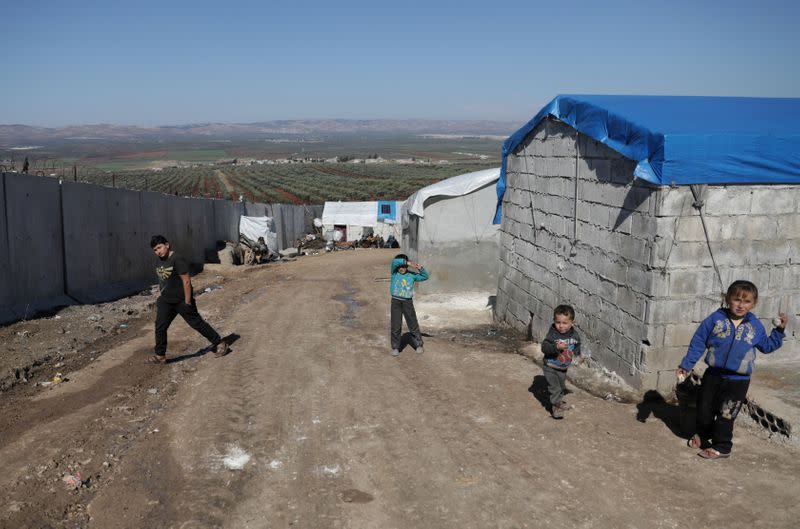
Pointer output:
595, 258
753, 234
639, 273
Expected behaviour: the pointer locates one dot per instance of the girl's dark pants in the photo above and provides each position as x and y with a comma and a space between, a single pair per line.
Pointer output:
718, 404
404, 308
167, 311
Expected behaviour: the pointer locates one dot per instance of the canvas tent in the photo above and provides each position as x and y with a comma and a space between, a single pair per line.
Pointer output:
447, 226
639, 211
349, 221
255, 227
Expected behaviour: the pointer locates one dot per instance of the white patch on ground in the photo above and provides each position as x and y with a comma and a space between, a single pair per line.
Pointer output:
316, 420
333, 470
463, 309
275, 464
235, 458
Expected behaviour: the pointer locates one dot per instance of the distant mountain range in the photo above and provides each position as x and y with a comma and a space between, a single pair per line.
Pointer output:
15, 134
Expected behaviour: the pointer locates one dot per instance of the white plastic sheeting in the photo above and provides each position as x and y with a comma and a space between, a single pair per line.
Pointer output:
350, 213
255, 227
452, 187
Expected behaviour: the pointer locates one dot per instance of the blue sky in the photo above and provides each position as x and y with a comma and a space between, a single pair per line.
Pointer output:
149, 63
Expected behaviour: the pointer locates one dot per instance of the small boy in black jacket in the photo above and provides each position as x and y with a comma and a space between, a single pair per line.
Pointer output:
560, 346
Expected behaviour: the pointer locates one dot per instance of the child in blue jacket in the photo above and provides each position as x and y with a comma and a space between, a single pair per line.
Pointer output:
402, 292
729, 337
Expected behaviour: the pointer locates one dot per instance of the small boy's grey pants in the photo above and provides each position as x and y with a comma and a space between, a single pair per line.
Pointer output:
556, 384
404, 308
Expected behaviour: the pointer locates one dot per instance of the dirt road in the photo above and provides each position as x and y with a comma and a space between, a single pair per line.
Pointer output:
310, 423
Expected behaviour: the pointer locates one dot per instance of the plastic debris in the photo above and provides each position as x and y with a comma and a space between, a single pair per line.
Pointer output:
73, 481
613, 397
123, 325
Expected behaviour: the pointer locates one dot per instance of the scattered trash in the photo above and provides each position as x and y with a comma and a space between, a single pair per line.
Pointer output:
95, 317
73, 481
275, 464
123, 325
152, 391
382, 279
612, 397
212, 288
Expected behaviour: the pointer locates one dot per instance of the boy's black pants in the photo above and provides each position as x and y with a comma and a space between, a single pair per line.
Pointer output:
556, 383
166, 312
718, 404
404, 308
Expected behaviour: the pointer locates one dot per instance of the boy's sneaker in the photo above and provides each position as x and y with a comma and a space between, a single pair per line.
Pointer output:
395, 352
420, 350
563, 406
558, 413
221, 349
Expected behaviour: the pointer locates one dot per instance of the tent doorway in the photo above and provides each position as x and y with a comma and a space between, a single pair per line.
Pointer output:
340, 228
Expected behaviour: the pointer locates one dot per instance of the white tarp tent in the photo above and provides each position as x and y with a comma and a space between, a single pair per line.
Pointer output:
255, 227
452, 187
347, 221
447, 226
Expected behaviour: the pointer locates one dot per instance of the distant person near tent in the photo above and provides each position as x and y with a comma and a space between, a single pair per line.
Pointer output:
176, 297
401, 288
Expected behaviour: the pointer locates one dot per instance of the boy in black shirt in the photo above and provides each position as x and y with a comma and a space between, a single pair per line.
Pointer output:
176, 298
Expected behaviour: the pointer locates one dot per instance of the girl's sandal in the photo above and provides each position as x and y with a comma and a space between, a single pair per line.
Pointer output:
694, 442
156, 360
710, 453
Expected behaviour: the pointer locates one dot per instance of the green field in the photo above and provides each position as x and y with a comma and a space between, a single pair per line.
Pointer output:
192, 168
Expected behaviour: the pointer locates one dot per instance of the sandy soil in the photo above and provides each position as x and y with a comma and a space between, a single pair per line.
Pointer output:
310, 423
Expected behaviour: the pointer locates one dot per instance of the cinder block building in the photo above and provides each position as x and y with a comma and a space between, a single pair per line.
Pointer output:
640, 211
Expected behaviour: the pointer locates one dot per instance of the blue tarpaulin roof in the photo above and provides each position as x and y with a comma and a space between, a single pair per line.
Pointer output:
684, 140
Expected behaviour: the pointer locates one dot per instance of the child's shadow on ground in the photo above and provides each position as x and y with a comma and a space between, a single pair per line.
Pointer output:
408, 339
654, 404
230, 339
539, 390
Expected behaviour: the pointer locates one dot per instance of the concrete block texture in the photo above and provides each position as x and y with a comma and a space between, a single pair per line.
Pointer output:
642, 261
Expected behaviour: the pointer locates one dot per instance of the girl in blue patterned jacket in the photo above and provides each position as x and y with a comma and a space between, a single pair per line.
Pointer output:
729, 337
402, 292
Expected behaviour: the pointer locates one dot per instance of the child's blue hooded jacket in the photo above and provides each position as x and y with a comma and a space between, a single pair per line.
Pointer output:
730, 352
402, 285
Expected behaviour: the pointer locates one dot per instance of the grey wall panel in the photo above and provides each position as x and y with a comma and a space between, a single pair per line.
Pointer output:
106, 255
129, 242
35, 251
5, 274
226, 220
86, 239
